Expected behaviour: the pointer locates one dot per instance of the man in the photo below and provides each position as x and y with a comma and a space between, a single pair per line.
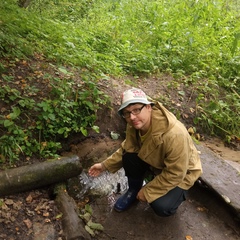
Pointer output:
155, 140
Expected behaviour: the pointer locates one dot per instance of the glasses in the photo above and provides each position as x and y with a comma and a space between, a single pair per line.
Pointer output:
135, 111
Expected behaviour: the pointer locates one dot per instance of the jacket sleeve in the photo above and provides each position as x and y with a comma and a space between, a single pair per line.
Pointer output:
175, 167
114, 162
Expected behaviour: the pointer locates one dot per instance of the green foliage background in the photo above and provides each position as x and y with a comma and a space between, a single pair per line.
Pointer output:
197, 41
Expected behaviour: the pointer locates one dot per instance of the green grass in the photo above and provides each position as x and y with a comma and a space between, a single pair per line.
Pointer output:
195, 39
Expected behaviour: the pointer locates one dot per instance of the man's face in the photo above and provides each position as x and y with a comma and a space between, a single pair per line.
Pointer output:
138, 116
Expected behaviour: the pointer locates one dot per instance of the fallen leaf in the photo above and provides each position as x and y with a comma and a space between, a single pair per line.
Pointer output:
1, 202
89, 230
189, 237
191, 131
202, 209
59, 216
12, 218
42, 206
114, 135
95, 226
182, 93
4, 207
197, 136
46, 214
29, 198
86, 216
28, 223
3, 109
17, 205
9, 201
192, 110
24, 62
226, 199
23, 86
30, 213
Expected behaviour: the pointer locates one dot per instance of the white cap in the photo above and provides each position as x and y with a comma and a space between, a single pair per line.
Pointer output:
134, 95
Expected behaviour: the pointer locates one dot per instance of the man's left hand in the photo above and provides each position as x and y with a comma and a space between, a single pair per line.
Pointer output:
141, 196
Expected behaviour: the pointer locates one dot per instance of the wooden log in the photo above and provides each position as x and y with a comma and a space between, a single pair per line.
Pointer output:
39, 175
72, 225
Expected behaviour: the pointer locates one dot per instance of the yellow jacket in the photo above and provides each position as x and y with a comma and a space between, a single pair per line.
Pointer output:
169, 149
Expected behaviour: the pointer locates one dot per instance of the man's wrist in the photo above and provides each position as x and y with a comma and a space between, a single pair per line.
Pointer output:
103, 166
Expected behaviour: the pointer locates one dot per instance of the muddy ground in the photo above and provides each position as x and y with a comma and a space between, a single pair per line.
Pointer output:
34, 215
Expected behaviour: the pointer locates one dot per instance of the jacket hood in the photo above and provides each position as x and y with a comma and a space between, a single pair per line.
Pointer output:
163, 120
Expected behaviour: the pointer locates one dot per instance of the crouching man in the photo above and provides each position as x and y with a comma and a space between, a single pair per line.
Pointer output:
155, 140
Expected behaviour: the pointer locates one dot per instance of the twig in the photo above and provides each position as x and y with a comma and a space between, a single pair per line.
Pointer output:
235, 93
190, 96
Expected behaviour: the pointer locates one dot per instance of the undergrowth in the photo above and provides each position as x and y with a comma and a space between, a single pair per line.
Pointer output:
193, 40
40, 110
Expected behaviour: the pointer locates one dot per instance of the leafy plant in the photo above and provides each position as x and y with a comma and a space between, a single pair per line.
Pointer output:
37, 126
197, 39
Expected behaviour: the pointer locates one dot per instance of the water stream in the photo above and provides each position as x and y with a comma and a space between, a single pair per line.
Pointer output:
107, 184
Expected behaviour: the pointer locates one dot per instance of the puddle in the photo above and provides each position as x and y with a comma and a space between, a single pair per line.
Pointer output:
226, 153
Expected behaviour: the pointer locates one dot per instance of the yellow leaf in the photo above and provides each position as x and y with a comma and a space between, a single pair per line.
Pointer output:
197, 136
202, 209
46, 214
29, 198
191, 131
59, 216
28, 223
192, 110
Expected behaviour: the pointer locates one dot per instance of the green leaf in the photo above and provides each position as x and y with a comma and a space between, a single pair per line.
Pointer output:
95, 226
8, 123
114, 135
89, 104
16, 112
89, 230
63, 70
88, 209
182, 93
96, 128
235, 43
51, 116
83, 131
1, 202
61, 131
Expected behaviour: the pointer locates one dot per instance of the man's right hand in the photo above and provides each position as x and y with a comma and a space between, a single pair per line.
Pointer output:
96, 169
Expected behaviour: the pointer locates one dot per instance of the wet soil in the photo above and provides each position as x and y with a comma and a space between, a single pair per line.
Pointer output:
219, 147
201, 216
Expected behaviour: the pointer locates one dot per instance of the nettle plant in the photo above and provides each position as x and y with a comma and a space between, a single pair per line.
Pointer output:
36, 126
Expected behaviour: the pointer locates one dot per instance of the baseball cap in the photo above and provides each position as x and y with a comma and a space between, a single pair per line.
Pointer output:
134, 95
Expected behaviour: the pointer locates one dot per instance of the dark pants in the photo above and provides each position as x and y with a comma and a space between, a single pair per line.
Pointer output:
163, 206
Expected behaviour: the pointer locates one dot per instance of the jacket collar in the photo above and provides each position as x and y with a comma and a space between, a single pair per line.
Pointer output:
162, 121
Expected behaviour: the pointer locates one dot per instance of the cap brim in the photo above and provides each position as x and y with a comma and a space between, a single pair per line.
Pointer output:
144, 101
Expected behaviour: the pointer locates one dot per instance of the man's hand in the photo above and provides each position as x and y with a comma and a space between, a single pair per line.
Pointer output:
96, 169
141, 196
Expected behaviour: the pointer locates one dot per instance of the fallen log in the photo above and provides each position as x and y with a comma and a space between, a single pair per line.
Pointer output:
72, 225
39, 175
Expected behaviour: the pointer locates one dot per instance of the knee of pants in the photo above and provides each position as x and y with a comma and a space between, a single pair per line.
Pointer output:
162, 210
168, 204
